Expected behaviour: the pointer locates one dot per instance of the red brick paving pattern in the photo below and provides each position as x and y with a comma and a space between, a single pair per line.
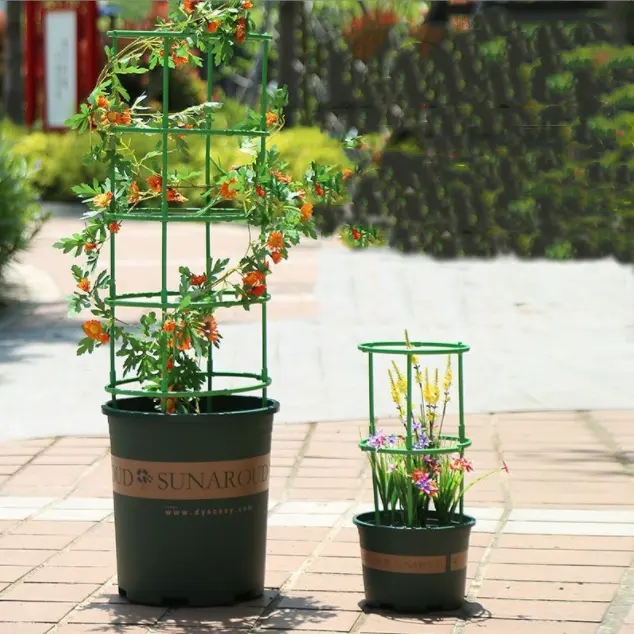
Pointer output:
57, 577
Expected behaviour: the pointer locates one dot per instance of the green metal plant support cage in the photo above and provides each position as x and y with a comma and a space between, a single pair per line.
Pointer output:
165, 298
452, 444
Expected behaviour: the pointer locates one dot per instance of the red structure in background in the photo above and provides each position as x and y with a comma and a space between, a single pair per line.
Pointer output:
89, 56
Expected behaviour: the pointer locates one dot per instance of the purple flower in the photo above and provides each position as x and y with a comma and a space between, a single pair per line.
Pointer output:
391, 440
378, 440
391, 468
381, 439
422, 442
433, 462
426, 485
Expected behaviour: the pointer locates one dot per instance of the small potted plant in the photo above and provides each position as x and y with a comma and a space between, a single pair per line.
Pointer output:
414, 544
190, 450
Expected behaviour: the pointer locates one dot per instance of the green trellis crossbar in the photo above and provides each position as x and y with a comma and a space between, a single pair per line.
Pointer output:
164, 299
454, 444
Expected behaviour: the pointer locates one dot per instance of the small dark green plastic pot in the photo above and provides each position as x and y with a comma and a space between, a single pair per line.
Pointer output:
191, 500
414, 570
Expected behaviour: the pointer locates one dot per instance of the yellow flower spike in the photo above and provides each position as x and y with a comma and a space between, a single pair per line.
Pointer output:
448, 378
401, 381
431, 392
397, 396
408, 344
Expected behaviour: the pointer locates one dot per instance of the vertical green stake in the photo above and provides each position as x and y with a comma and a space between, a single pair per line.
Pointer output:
408, 442
264, 104
461, 428
208, 124
164, 211
375, 487
113, 284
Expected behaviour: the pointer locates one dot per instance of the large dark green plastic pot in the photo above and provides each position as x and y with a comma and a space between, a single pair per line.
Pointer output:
191, 500
414, 570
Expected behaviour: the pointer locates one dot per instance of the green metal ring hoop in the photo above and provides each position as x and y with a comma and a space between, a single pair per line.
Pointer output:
416, 347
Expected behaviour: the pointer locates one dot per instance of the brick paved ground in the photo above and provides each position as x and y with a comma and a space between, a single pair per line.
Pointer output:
552, 552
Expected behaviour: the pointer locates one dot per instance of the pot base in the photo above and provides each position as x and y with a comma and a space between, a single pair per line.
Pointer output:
201, 600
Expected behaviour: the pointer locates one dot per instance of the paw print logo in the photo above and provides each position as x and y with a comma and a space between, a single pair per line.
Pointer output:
143, 476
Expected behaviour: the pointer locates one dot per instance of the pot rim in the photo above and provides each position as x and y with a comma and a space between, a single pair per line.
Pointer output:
109, 409
366, 520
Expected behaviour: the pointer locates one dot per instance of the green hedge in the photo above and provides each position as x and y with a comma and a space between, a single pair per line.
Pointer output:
20, 214
58, 156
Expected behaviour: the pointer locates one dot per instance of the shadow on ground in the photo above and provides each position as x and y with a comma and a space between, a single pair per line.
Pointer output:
266, 612
23, 323
470, 611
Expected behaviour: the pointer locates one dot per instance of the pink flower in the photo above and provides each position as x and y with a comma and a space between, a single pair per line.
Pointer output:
461, 464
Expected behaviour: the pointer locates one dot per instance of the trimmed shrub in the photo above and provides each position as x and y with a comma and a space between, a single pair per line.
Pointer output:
59, 156
20, 213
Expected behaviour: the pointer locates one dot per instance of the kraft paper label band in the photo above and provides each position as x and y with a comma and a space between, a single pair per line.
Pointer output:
190, 480
417, 565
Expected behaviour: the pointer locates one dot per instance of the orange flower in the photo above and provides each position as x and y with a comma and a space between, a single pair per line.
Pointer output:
125, 118
179, 60
283, 178
189, 6
114, 227
213, 26
271, 119
347, 173
89, 246
210, 329
169, 326
306, 210
155, 182
241, 30
254, 283
170, 363
102, 200
94, 330
102, 102
247, 4
133, 193
275, 241
198, 280
170, 405
301, 194
260, 191
110, 117
174, 196
83, 285
225, 190
184, 343
277, 257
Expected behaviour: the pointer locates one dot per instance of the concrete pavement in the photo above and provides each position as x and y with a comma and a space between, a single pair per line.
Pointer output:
544, 335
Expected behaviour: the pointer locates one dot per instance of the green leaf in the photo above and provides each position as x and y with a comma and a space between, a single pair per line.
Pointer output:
77, 272
185, 302
132, 70
85, 345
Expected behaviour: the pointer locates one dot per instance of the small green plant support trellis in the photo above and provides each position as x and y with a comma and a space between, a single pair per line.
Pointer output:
164, 299
450, 443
